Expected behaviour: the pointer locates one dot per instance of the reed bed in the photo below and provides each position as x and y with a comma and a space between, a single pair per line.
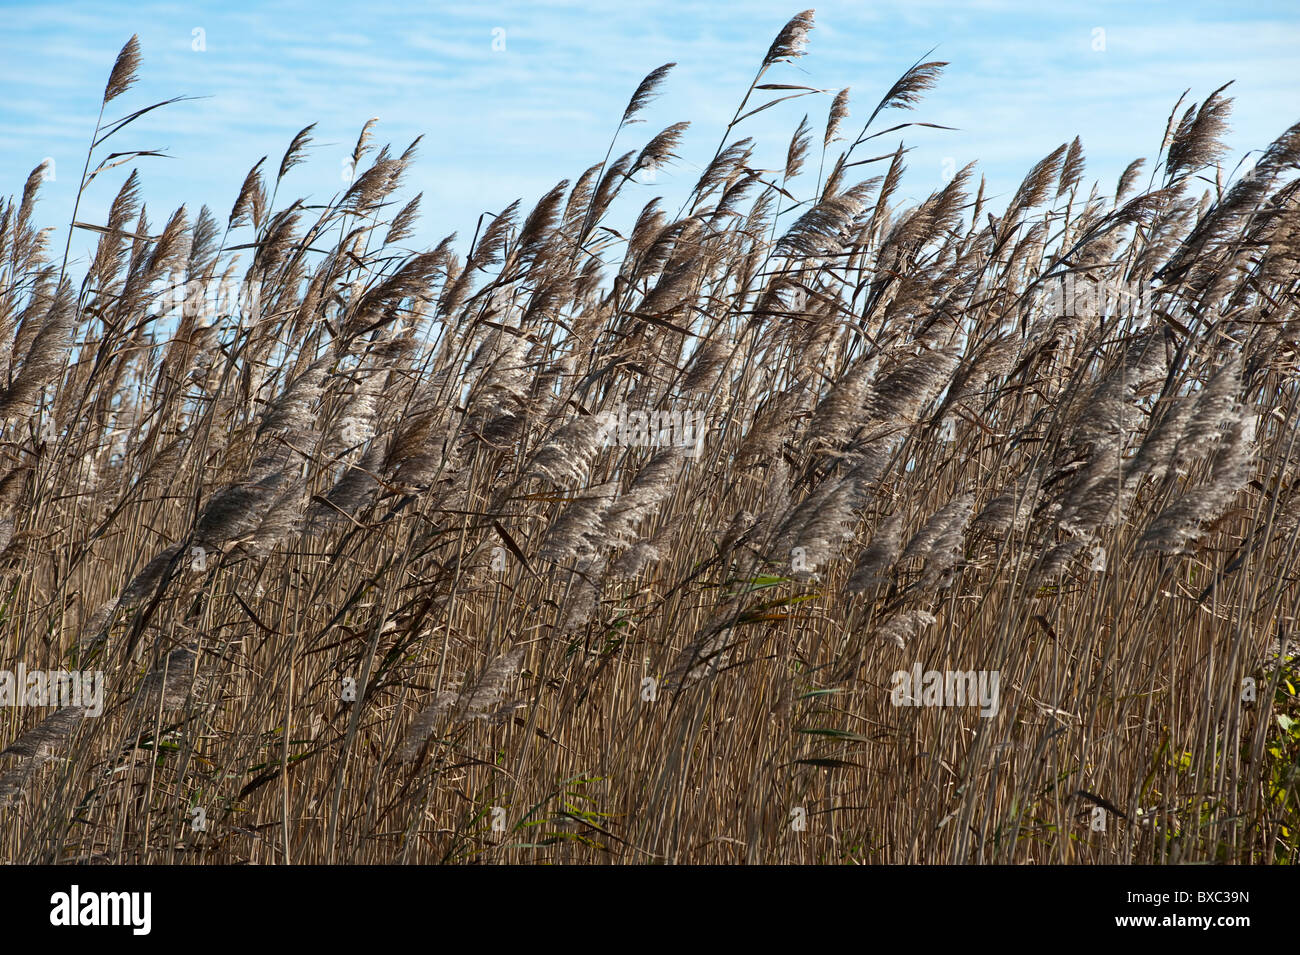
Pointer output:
605, 543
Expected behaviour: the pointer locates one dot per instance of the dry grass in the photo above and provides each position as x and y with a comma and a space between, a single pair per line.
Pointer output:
926, 441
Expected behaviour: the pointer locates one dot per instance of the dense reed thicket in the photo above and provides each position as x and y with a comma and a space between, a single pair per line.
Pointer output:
605, 544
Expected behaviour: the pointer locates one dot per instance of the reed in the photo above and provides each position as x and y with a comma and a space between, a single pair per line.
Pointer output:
371, 580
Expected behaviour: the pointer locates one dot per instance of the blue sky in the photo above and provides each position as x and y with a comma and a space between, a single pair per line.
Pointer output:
509, 123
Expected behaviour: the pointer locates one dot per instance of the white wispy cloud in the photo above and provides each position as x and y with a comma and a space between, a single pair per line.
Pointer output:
501, 124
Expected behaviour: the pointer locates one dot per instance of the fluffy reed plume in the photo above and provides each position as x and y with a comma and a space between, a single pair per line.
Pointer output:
939, 542
908, 89
571, 451
792, 39
304, 496
44, 741
171, 683
482, 700
652, 484
250, 204
798, 149
646, 93
941, 530
1011, 509
1231, 468
44, 354
659, 150
39, 745
823, 229
904, 626
874, 564
1195, 142
706, 653
125, 69
579, 531
841, 411
838, 114
637, 557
